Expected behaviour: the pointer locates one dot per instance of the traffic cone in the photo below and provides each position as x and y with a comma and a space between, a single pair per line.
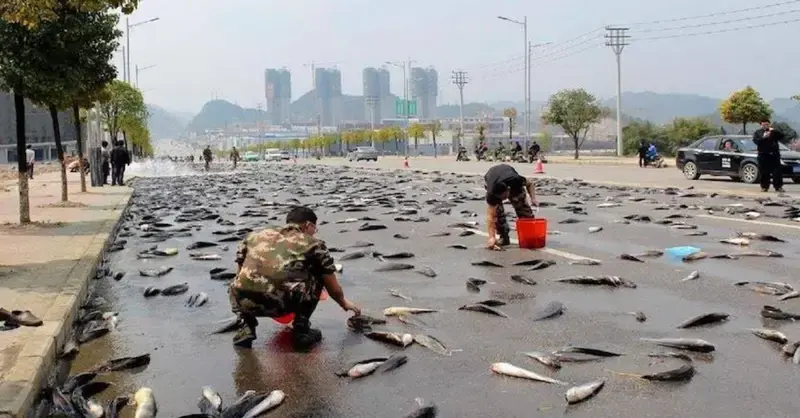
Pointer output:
405, 162
539, 167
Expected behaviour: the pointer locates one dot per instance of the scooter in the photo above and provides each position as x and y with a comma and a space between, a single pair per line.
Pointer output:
657, 161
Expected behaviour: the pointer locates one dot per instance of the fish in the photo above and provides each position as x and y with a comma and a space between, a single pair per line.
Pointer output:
228, 325
394, 256
477, 307
569, 221
371, 227
155, 272
640, 316
670, 354
200, 244
692, 276
175, 290
696, 234
198, 299
580, 393
796, 357
770, 335
589, 351
362, 244
630, 257
439, 234
790, 348
704, 319
205, 256
760, 237
760, 253
84, 405
400, 236
689, 344
165, 252
426, 271
697, 255
402, 310
535, 263
683, 372
145, 402
594, 229
432, 344
613, 281
362, 368
76, 381
522, 279
649, 253
492, 302
151, 291
769, 288
394, 267
585, 262
122, 363
115, 405
360, 323
509, 369
485, 263
772, 312
547, 359
211, 402
552, 310
245, 402
424, 410
396, 293
736, 241
458, 246
791, 295
272, 401
225, 275
608, 205
395, 338
354, 255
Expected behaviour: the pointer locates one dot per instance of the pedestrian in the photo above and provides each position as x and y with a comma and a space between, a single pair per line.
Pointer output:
642, 153
207, 156
30, 159
119, 159
105, 161
234, 157
503, 182
769, 156
281, 271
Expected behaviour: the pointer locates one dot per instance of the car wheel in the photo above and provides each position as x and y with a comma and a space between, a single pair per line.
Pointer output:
690, 170
749, 173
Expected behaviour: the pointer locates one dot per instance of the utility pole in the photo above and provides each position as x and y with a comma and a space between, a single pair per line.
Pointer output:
616, 38
370, 101
460, 80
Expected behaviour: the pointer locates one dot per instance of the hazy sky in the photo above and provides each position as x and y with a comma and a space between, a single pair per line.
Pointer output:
205, 48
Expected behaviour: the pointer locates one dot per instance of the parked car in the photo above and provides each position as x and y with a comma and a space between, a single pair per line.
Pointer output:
277, 155
734, 156
363, 153
250, 156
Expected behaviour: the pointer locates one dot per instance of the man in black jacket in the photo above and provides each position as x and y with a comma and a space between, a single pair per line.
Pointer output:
119, 159
769, 156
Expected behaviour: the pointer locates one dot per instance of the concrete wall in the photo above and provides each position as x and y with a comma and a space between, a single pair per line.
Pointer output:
38, 130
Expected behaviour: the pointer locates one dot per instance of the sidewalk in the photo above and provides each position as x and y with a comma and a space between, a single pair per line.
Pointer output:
45, 268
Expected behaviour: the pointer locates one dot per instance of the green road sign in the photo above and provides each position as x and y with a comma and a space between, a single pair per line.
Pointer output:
405, 107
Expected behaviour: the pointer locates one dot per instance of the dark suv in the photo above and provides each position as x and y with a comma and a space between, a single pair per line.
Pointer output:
733, 156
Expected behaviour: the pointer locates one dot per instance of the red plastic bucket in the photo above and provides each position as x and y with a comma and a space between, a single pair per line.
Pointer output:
532, 233
289, 318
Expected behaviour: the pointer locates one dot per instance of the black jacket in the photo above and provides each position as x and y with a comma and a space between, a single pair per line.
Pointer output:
768, 145
120, 157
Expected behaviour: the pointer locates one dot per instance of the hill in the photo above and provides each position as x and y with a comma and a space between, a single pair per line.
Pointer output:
164, 124
219, 114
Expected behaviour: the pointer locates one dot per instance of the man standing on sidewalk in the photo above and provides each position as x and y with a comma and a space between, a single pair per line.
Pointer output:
769, 156
105, 161
119, 159
30, 158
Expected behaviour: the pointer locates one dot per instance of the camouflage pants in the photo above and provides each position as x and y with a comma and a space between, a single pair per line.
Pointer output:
521, 207
299, 298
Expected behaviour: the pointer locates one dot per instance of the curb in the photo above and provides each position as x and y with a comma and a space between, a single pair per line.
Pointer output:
34, 364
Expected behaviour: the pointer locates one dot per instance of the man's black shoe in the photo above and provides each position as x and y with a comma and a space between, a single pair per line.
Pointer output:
245, 337
764, 190
306, 339
779, 190
504, 241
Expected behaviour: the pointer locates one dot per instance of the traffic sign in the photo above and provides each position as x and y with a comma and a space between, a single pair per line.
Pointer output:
405, 107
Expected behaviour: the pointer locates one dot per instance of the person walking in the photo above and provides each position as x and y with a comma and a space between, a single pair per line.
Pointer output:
207, 156
642, 152
235, 157
30, 159
769, 156
119, 159
105, 161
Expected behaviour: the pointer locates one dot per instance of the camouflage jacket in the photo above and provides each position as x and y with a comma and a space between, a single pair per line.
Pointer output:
280, 256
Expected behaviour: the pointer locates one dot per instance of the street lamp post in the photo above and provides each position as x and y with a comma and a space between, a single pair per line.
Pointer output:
128, 28
524, 24
405, 92
528, 104
138, 70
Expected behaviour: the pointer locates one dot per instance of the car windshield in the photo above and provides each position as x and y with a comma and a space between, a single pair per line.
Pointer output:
365, 149
747, 145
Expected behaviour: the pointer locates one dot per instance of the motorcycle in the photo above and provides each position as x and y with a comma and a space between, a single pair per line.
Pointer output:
462, 155
657, 161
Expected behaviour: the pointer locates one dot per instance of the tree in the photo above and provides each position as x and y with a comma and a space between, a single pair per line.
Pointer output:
416, 131
384, 135
744, 106
642, 131
435, 127
545, 141
683, 131
398, 135
789, 134
481, 132
122, 106
32, 13
796, 97
511, 114
575, 111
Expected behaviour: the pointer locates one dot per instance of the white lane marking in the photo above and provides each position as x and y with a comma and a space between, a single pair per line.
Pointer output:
551, 251
749, 221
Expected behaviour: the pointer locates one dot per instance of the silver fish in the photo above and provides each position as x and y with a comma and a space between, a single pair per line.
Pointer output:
402, 310
770, 335
692, 276
274, 399
547, 359
145, 403
790, 295
741, 241
594, 229
477, 307
395, 338
432, 344
583, 392
214, 400
155, 272
690, 344
396, 293
790, 348
205, 256
509, 369
585, 262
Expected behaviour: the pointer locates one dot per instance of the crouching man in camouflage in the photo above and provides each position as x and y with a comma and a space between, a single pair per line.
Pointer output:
283, 270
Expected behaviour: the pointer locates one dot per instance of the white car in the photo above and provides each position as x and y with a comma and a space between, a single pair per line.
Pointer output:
277, 156
363, 153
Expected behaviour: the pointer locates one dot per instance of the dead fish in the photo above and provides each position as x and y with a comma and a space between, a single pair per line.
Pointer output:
760, 237
477, 307
585, 262
630, 257
402, 310
458, 246
790, 348
752, 215
122, 363
354, 255
427, 272
640, 316
432, 344
613, 281
770, 335
535, 263
522, 279
225, 275
790, 295
400, 236
197, 300
392, 363
769, 288
650, 253
205, 256
697, 255
394, 267
439, 234
273, 400
84, 405
395, 338
683, 226
211, 402
466, 233
608, 205
492, 302
590, 351
705, 319
569, 221
424, 410
230, 324
796, 357
547, 359
772, 312
736, 241
684, 372
363, 322
371, 227
760, 253
671, 354
396, 293
394, 256
155, 272
594, 229
200, 244
362, 244
474, 285
552, 310
115, 405
696, 234
485, 263
119, 275
580, 393
75, 381
690, 344
165, 252
151, 291
145, 403
509, 369
692, 276
175, 290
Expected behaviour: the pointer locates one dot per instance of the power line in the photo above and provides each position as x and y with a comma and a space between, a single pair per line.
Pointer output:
514, 70
712, 32
724, 13
724, 22
460, 80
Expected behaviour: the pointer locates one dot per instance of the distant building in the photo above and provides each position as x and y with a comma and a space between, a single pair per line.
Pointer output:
377, 92
38, 131
278, 92
328, 89
425, 90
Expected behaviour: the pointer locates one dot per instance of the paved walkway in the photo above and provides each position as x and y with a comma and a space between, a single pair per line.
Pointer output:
45, 268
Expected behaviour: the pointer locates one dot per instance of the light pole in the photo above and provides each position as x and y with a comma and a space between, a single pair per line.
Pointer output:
139, 70
528, 103
128, 28
524, 24
406, 106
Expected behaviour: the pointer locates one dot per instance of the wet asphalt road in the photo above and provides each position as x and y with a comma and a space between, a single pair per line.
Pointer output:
745, 377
